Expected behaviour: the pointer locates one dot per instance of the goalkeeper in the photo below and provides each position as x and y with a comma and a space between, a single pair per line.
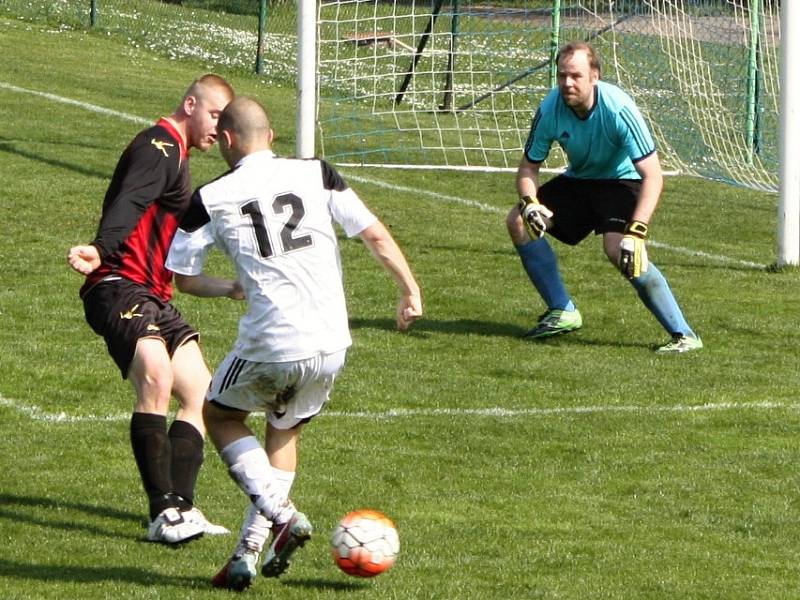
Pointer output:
611, 186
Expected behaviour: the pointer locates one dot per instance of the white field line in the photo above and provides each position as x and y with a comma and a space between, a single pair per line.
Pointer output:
37, 414
383, 184
85, 105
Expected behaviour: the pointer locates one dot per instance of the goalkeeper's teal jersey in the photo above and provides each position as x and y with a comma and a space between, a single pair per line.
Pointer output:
603, 145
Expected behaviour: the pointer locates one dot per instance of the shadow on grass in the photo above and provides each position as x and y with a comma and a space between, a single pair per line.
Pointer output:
327, 584
16, 509
473, 327
579, 340
456, 326
11, 147
25, 571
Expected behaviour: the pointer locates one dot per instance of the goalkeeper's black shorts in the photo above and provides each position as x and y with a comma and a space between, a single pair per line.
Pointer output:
583, 206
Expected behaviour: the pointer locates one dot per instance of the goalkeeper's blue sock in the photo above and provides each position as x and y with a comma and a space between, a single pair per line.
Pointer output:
657, 296
541, 265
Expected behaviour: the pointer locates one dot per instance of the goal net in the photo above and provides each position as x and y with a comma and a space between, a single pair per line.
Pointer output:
454, 84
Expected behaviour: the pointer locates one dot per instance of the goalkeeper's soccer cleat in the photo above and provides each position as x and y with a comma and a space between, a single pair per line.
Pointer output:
556, 322
681, 343
238, 573
288, 537
170, 527
195, 516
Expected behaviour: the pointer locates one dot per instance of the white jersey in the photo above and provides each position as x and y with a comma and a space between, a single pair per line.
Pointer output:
274, 218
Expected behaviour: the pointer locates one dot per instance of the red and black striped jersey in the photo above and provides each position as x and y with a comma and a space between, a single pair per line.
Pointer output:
148, 194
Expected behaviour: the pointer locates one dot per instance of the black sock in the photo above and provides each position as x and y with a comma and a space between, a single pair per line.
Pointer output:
187, 457
151, 448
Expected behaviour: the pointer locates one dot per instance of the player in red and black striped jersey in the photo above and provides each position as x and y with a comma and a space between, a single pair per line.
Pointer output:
126, 300
148, 194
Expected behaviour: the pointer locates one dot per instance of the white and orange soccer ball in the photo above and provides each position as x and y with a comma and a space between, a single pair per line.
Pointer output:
365, 543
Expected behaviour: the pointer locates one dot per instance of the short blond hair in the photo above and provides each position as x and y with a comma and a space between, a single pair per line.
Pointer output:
209, 81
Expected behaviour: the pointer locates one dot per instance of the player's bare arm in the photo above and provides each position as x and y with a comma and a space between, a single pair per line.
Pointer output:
652, 184
386, 251
205, 286
629, 251
84, 259
527, 178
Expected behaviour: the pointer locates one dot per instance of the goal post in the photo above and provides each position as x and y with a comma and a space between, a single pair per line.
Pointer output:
789, 204
306, 77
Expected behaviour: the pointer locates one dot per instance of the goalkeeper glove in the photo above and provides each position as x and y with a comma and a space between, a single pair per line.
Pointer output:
632, 252
533, 215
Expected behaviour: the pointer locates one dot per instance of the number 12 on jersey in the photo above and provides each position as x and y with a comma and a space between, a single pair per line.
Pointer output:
287, 240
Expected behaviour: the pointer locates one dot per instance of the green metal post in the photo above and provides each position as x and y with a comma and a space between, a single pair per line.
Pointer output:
93, 13
555, 36
262, 24
752, 77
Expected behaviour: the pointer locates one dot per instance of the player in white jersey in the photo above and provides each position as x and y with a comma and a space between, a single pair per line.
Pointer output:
274, 218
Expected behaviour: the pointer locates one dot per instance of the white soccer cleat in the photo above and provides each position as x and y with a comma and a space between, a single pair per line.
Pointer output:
194, 515
681, 343
170, 527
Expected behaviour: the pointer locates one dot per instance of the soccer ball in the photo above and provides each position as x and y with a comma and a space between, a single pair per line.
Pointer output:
365, 543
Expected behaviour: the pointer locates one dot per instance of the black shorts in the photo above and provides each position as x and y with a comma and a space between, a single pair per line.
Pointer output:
124, 312
581, 206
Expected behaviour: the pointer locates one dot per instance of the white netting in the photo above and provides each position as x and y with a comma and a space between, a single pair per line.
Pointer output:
456, 84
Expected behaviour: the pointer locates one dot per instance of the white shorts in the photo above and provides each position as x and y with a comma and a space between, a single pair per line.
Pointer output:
289, 393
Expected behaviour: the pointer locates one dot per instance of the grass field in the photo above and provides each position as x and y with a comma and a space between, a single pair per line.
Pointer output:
584, 467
